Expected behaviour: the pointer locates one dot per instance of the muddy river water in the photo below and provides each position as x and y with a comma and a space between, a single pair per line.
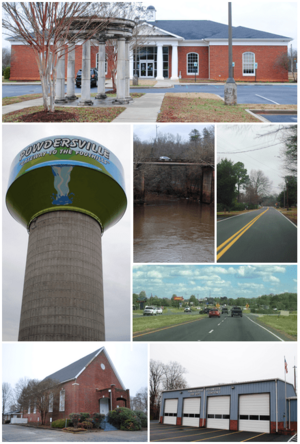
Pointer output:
175, 230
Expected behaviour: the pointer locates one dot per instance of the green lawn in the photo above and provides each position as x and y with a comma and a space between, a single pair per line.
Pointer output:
285, 324
147, 323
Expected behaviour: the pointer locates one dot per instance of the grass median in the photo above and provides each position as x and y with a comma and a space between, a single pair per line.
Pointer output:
148, 323
207, 107
284, 324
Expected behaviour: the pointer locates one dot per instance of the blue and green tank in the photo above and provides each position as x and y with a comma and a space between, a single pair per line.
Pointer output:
66, 173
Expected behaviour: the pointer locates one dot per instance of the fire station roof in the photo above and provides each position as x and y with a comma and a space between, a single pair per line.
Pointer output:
207, 29
73, 370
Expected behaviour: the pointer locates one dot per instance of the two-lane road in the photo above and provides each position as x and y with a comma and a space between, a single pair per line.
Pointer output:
225, 328
263, 235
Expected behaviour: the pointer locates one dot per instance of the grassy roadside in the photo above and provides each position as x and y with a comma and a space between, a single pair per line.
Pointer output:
284, 324
291, 214
18, 99
147, 323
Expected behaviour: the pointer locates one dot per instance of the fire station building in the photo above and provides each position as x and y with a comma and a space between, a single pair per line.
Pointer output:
257, 406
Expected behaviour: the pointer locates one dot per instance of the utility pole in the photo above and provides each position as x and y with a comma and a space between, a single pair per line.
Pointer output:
230, 90
295, 382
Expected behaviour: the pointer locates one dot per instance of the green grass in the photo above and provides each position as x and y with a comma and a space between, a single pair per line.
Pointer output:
285, 324
146, 323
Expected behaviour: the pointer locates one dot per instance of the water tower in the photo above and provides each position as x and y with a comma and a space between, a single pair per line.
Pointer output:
67, 191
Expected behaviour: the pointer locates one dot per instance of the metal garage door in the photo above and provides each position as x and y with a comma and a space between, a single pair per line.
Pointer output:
218, 412
254, 413
191, 412
170, 413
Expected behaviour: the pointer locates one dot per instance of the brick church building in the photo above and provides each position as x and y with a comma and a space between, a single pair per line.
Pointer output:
174, 49
90, 384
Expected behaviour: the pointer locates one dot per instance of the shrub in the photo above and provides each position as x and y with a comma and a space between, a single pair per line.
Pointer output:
119, 416
86, 424
142, 416
7, 73
83, 416
132, 424
60, 423
75, 417
98, 418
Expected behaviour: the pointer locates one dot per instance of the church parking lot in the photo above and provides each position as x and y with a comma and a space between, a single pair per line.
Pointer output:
16, 433
167, 433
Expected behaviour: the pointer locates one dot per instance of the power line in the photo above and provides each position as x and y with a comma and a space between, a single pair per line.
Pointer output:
247, 151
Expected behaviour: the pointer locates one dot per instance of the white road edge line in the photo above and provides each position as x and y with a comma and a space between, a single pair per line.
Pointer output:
232, 217
265, 329
287, 219
267, 99
210, 331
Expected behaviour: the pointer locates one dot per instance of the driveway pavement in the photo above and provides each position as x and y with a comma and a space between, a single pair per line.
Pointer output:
16, 433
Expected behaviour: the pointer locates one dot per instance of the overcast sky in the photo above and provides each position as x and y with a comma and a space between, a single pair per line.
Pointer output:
202, 281
116, 242
216, 363
232, 139
148, 132
275, 17
38, 360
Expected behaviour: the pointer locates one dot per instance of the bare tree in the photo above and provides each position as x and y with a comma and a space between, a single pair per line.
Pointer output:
7, 396
282, 62
156, 375
140, 400
258, 186
289, 152
173, 376
48, 27
6, 54
41, 396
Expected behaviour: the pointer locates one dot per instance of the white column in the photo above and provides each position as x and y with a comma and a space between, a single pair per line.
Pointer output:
101, 72
60, 76
159, 75
71, 73
121, 81
174, 62
131, 57
86, 75
127, 74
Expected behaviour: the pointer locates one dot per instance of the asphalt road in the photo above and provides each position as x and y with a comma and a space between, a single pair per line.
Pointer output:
281, 94
167, 433
281, 118
263, 235
225, 328
16, 433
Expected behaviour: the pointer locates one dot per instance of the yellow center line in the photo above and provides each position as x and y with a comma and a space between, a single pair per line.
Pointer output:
236, 236
219, 436
165, 328
184, 436
253, 437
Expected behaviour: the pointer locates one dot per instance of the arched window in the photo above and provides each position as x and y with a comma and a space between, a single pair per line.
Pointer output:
192, 59
62, 401
248, 64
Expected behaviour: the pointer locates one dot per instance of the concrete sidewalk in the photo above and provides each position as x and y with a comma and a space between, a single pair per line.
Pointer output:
143, 109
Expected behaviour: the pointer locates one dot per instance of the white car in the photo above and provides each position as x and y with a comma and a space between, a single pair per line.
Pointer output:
150, 310
187, 309
159, 311
165, 159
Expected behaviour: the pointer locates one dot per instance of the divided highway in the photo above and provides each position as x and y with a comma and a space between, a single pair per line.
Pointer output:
225, 328
263, 235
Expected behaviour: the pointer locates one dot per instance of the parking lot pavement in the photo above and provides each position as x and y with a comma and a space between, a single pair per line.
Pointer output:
15, 433
167, 433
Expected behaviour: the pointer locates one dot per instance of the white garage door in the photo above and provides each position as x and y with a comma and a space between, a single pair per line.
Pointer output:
170, 413
254, 413
218, 412
191, 412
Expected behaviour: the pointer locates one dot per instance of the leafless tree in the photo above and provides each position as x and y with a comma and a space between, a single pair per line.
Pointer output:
258, 186
48, 27
140, 400
40, 396
156, 375
6, 54
7, 396
282, 62
173, 376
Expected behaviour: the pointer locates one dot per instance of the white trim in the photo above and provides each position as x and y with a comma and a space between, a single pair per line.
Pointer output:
248, 42
164, 31
187, 64
193, 43
95, 356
